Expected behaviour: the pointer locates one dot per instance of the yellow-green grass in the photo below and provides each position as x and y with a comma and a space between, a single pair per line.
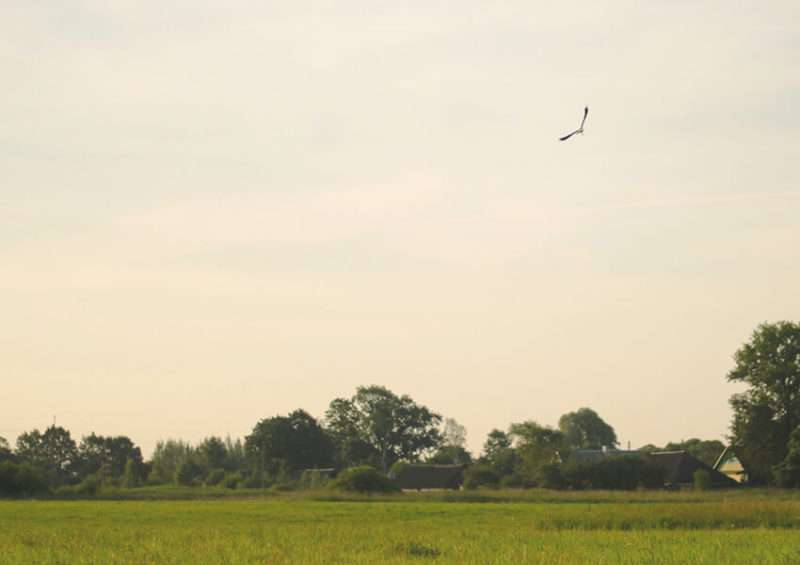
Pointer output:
595, 528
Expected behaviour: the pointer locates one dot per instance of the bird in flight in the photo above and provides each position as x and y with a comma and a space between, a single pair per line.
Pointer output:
580, 129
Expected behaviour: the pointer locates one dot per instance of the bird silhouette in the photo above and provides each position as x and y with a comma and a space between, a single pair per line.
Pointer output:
580, 129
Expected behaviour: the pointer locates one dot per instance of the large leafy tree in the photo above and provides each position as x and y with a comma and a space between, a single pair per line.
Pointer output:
498, 452
453, 448
111, 454
289, 443
539, 450
53, 452
377, 424
766, 414
584, 429
707, 451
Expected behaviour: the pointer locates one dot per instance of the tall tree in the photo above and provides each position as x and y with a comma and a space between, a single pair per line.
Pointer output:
707, 451
167, 457
53, 452
390, 427
110, 453
453, 449
289, 443
498, 452
539, 448
584, 429
768, 412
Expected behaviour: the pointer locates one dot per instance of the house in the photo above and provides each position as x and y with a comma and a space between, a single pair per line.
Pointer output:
430, 477
680, 467
728, 464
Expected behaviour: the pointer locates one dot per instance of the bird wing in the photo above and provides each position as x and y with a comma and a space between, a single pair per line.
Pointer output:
585, 113
568, 135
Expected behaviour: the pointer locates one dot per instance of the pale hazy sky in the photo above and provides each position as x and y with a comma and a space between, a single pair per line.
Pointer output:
217, 212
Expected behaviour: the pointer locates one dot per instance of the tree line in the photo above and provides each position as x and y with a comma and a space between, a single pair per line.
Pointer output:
377, 428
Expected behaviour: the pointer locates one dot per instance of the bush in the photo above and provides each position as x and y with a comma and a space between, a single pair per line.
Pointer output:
231, 480
20, 480
481, 475
702, 480
363, 479
188, 473
215, 477
613, 473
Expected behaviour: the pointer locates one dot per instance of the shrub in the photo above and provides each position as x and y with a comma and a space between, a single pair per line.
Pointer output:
702, 480
481, 475
232, 480
20, 480
363, 479
215, 477
188, 473
613, 473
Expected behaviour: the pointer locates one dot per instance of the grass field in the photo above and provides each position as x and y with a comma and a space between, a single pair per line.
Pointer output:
533, 527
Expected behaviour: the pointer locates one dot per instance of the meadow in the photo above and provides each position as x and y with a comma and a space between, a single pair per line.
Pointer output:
468, 527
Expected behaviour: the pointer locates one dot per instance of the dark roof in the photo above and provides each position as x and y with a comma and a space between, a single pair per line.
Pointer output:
592, 454
679, 467
430, 477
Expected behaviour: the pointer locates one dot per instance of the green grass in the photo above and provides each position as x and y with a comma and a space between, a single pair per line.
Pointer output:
503, 527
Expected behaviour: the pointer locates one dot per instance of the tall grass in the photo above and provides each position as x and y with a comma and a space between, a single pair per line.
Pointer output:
426, 528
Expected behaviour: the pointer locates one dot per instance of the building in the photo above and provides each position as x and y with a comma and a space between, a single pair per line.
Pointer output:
728, 464
430, 477
680, 467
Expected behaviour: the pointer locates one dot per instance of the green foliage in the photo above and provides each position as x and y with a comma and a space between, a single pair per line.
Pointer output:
231, 480
21, 480
787, 472
537, 447
584, 429
131, 477
188, 473
108, 453
5, 450
363, 479
768, 412
624, 472
702, 480
498, 453
215, 477
376, 424
706, 451
481, 475
167, 456
289, 443
54, 453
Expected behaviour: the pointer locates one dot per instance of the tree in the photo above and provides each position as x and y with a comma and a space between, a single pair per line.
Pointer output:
5, 450
584, 429
289, 443
768, 412
498, 452
538, 448
453, 449
167, 457
108, 453
377, 423
211, 454
54, 453
707, 451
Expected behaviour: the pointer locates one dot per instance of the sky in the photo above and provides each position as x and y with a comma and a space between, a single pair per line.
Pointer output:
213, 213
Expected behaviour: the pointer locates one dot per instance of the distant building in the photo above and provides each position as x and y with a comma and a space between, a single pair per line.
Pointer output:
430, 477
680, 467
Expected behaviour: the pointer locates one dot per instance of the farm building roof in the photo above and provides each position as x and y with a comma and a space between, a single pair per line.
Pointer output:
680, 467
423, 477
